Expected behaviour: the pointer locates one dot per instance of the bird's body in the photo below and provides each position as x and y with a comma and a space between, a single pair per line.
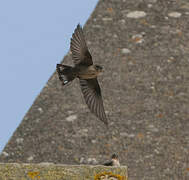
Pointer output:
82, 72
86, 71
114, 161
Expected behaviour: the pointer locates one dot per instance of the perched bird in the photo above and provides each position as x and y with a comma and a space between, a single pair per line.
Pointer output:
114, 161
86, 71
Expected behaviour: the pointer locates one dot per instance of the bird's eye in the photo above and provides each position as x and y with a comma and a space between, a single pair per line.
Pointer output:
98, 67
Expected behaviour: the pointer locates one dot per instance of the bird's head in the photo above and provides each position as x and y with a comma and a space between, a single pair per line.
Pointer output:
115, 156
98, 68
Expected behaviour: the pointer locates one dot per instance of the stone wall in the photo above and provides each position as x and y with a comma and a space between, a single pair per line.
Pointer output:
47, 171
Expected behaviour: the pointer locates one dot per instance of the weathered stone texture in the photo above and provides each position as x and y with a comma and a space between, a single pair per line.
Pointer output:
144, 47
15, 171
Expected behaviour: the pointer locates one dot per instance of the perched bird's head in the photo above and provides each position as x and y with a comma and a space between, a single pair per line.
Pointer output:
115, 156
98, 68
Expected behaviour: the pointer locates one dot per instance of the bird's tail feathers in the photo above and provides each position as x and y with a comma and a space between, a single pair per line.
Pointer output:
65, 73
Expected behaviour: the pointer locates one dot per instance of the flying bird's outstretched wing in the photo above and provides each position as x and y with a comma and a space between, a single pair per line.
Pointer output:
92, 94
78, 46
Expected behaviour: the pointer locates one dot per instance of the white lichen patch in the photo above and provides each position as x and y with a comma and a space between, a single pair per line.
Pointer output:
152, 1
19, 140
107, 19
125, 51
136, 14
124, 134
174, 14
70, 112
4, 153
40, 110
122, 21
30, 158
96, 26
93, 141
138, 38
71, 118
82, 159
46, 163
149, 5
115, 36
82, 132
92, 161
152, 128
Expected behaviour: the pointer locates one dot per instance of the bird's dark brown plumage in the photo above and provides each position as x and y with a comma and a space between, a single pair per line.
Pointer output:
92, 94
86, 72
80, 52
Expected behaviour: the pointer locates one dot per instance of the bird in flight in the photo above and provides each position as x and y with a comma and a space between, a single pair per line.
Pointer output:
86, 71
114, 161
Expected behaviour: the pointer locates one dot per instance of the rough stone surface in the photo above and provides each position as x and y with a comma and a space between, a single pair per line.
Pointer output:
50, 171
146, 96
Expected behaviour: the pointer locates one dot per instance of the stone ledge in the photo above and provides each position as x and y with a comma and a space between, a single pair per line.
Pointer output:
50, 171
